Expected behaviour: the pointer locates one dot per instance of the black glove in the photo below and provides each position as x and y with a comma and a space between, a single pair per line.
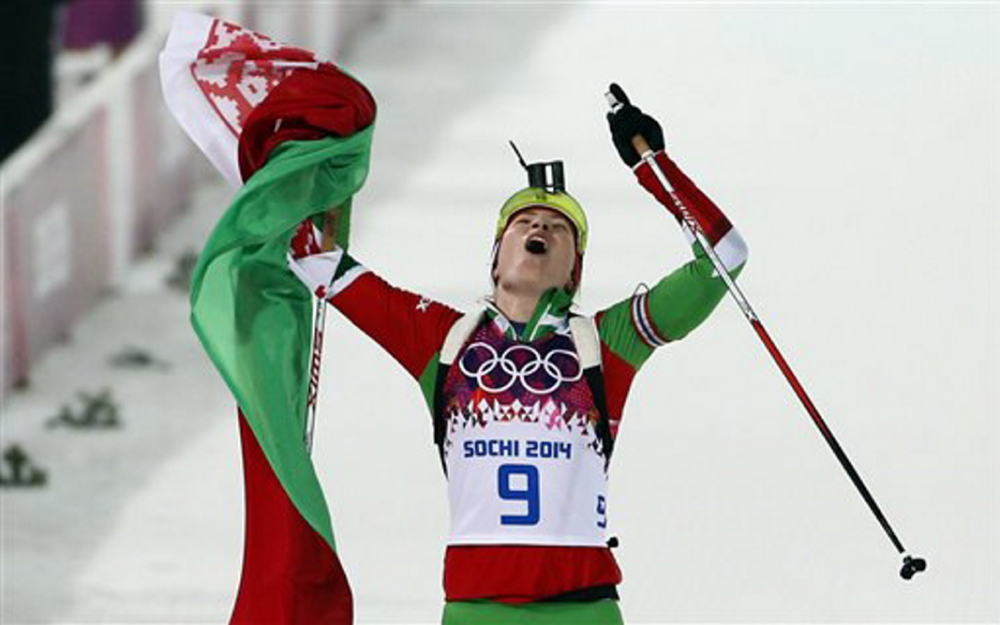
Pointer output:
628, 122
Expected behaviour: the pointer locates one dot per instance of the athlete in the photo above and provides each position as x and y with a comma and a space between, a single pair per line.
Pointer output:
527, 396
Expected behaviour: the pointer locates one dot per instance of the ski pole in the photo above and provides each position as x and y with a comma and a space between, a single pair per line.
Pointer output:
911, 564
319, 321
331, 223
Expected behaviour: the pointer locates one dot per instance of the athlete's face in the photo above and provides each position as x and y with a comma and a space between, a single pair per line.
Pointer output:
537, 251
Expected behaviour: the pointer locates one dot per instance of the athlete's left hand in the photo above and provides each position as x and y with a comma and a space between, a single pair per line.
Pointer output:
628, 122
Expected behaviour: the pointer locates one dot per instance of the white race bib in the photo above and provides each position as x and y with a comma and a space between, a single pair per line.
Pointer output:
520, 483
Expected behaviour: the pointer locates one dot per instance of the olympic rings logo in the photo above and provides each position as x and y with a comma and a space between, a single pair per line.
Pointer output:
533, 365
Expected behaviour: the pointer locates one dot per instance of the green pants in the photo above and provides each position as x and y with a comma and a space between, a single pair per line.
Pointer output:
602, 612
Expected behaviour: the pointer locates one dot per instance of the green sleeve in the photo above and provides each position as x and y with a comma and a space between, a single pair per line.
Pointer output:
678, 304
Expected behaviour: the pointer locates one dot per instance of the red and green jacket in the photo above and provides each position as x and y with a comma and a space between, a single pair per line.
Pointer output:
413, 329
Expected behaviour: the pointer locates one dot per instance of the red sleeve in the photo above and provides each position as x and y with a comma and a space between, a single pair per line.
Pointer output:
618, 375
408, 326
713, 221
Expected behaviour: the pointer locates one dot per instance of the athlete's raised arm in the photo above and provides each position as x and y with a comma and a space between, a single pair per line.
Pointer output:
407, 325
632, 328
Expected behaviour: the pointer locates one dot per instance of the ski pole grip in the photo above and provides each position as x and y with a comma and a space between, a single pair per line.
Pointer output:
330, 227
640, 145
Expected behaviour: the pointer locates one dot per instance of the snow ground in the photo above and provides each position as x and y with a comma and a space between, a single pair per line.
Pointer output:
855, 146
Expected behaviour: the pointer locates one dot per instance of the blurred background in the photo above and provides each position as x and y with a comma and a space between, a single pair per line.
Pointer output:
855, 145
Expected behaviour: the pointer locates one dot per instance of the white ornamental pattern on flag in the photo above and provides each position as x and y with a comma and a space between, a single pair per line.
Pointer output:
235, 87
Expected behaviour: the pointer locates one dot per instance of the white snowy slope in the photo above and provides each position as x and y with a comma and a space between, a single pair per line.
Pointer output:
855, 146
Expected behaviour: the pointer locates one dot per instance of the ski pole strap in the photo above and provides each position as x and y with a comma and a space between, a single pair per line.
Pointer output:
337, 227
330, 224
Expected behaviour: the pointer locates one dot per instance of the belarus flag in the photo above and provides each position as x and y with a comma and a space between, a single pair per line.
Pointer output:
295, 134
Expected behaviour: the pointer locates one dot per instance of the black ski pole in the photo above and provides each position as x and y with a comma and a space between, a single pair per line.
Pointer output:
911, 564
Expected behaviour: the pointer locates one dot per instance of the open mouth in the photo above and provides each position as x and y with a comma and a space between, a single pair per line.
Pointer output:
536, 245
